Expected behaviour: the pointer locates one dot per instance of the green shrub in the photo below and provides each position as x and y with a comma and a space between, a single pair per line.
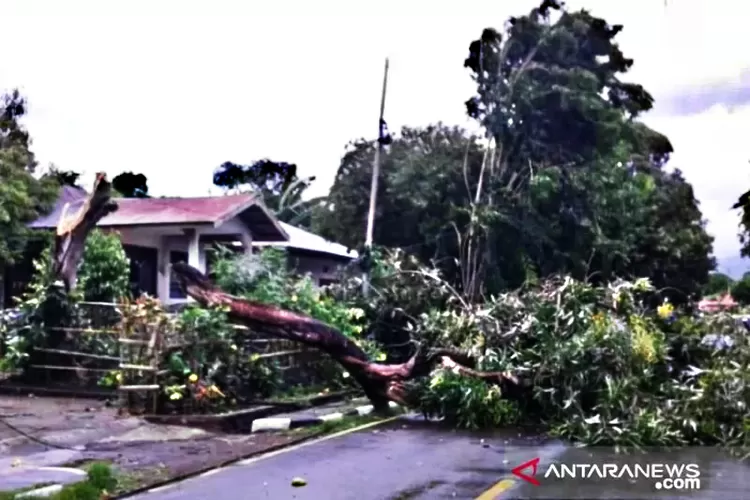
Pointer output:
102, 277
602, 368
266, 278
40, 306
101, 477
78, 491
467, 403
104, 274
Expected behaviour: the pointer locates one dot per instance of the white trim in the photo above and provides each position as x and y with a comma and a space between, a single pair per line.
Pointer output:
271, 424
44, 491
331, 416
364, 410
254, 201
69, 470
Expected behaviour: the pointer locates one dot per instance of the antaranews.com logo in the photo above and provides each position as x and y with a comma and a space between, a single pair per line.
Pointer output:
663, 476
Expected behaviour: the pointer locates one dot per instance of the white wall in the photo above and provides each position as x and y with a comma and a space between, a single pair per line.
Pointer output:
320, 267
167, 239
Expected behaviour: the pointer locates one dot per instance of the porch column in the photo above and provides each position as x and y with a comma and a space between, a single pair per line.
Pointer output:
162, 276
247, 241
194, 250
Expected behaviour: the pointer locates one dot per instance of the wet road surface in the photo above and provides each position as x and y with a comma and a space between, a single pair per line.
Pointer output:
408, 460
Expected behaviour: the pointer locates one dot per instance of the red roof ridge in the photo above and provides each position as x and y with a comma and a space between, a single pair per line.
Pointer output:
165, 201
221, 196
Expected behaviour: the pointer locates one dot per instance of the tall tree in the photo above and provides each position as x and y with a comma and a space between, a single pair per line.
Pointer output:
64, 177
420, 192
741, 291
743, 204
718, 283
23, 197
570, 183
130, 185
277, 183
550, 94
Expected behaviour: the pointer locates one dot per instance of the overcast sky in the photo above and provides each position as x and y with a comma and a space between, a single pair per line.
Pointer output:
174, 88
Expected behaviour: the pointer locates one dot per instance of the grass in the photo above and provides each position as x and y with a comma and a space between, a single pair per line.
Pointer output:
133, 480
99, 483
10, 495
334, 426
303, 393
125, 482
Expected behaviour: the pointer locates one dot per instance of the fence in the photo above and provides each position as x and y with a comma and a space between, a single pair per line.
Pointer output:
97, 350
79, 354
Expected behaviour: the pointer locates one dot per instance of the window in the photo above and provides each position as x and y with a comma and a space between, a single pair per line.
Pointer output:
175, 292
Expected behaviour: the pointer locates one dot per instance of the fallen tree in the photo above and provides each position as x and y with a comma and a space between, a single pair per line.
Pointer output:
381, 382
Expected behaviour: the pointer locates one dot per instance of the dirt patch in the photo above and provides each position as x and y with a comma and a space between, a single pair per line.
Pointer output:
142, 453
59, 421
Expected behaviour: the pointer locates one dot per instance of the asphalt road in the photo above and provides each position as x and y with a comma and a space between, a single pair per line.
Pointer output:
409, 460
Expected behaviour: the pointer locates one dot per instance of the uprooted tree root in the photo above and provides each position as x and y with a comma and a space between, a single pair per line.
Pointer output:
381, 383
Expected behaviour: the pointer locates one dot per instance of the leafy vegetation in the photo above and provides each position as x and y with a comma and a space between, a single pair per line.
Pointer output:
213, 367
23, 196
568, 181
130, 185
266, 278
276, 183
740, 290
718, 283
102, 277
605, 368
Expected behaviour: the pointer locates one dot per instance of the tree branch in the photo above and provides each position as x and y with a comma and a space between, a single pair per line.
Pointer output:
381, 382
72, 231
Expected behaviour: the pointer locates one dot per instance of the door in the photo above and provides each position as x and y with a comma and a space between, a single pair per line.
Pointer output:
143, 269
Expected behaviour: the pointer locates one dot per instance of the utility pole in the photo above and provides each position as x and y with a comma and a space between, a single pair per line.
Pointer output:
374, 183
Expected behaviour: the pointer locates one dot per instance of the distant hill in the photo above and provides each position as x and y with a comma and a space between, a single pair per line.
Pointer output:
733, 267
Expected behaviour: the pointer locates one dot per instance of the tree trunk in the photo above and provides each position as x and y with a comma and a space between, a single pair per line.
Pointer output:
69, 244
70, 238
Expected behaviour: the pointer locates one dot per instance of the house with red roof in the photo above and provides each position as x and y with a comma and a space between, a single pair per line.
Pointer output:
722, 303
157, 232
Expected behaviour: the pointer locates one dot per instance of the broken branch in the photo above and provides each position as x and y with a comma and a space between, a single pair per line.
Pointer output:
70, 237
381, 382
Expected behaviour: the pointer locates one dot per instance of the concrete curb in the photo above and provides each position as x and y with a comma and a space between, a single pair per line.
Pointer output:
45, 491
241, 420
283, 424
